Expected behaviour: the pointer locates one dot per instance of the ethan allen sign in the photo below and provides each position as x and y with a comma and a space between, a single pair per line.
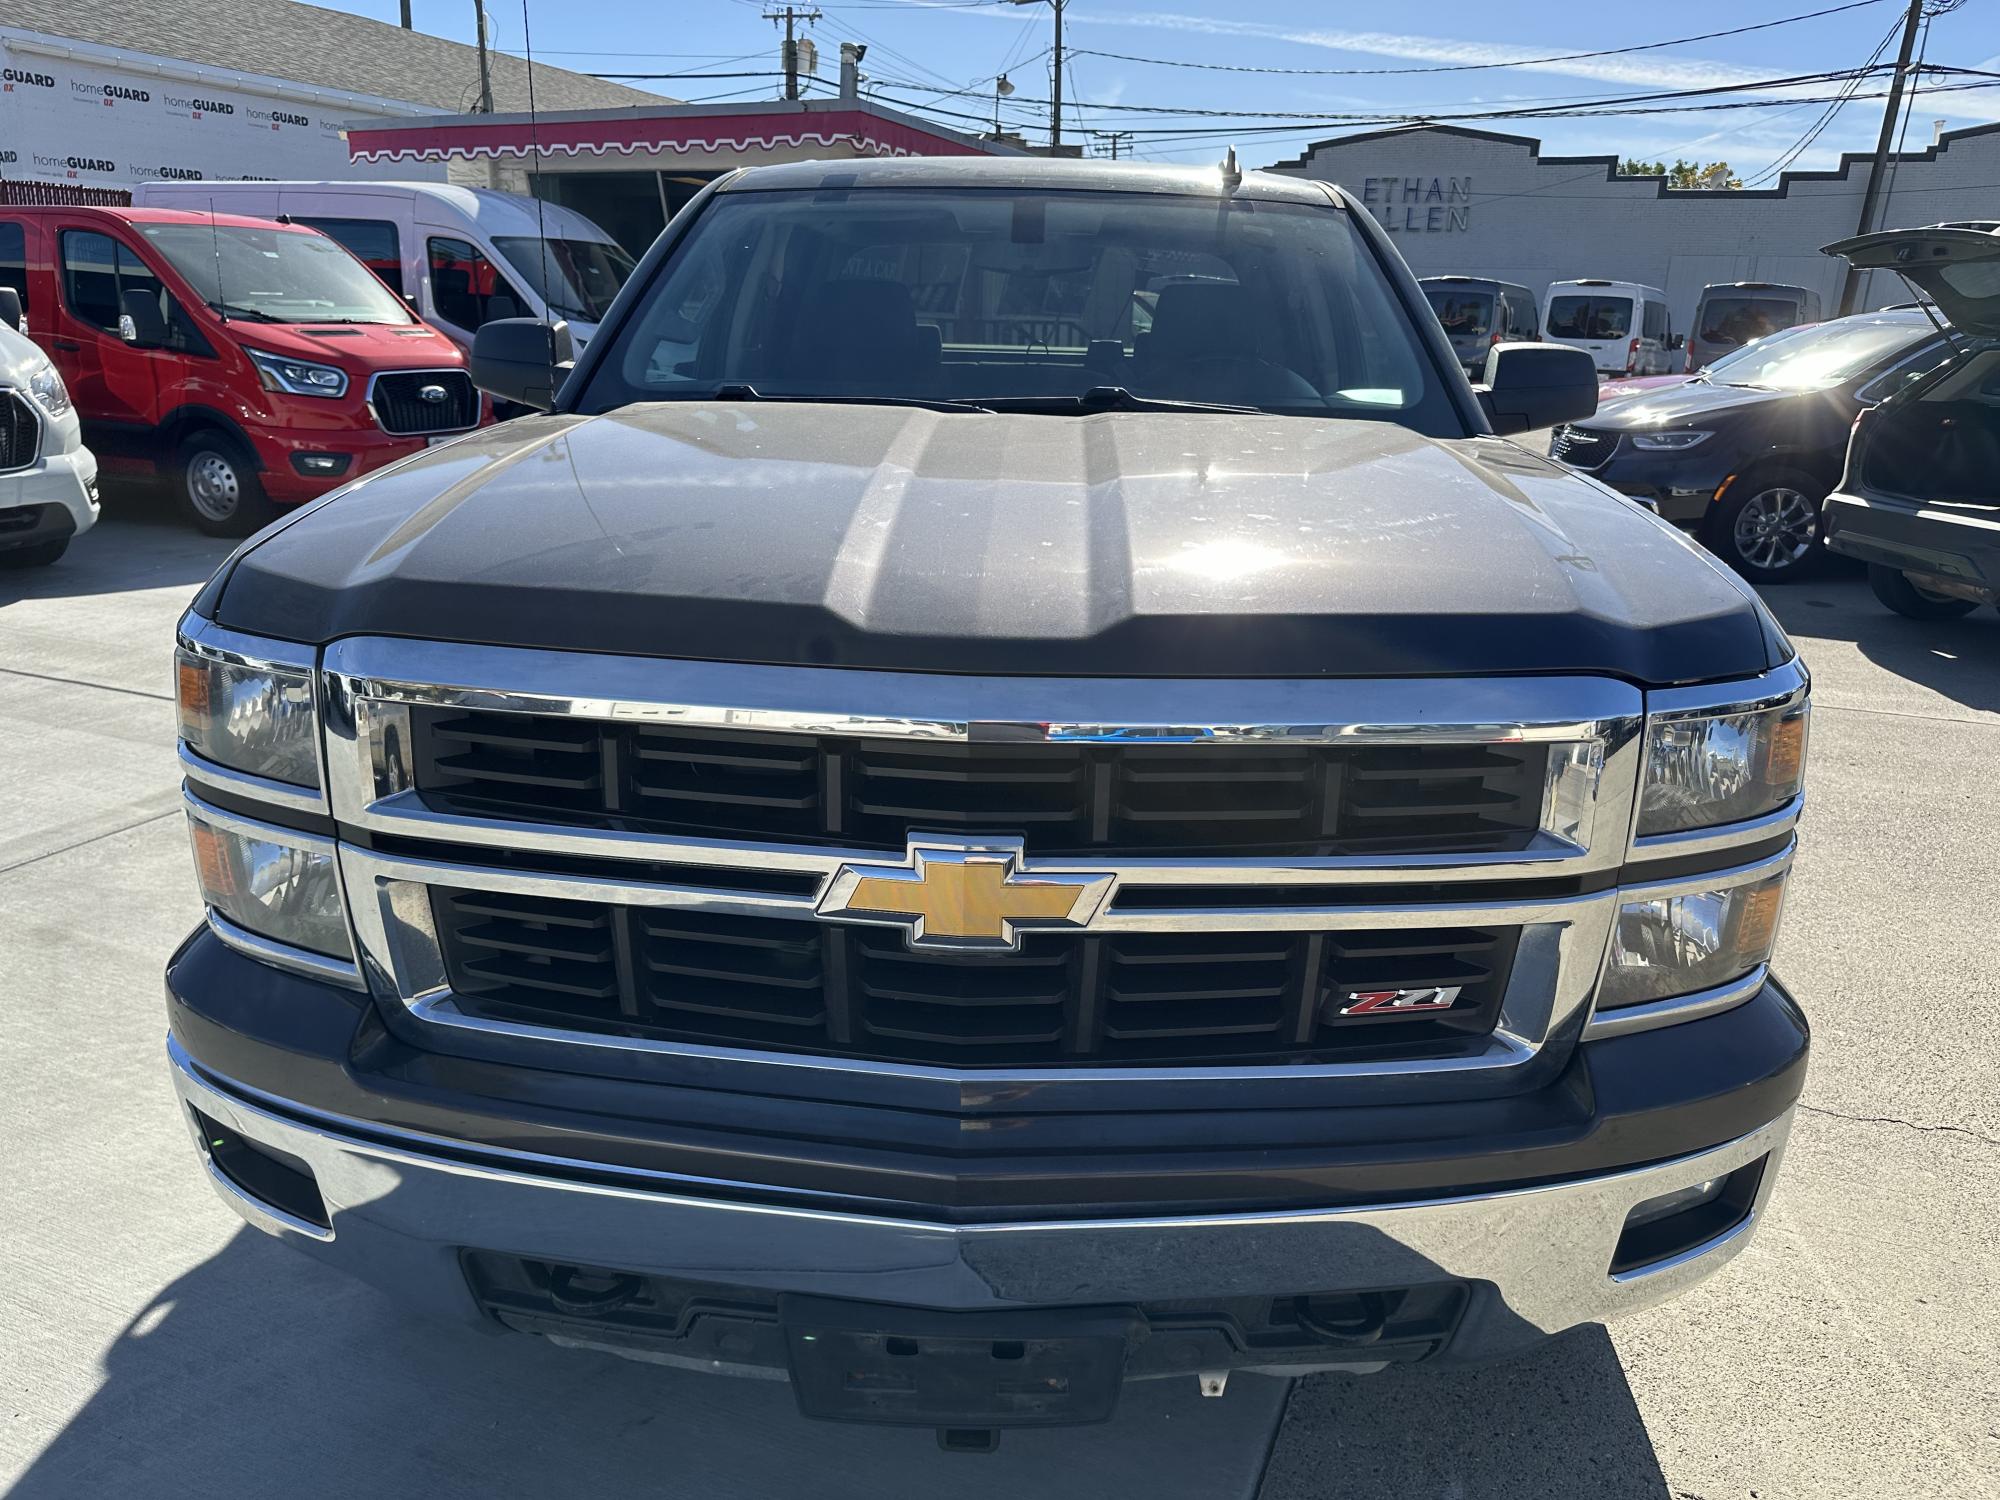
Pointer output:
1419, 205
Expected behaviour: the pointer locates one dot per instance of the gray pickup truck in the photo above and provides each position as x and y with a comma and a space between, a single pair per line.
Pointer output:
1014, 790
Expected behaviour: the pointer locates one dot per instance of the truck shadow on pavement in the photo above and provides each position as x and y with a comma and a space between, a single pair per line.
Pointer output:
1958, 659
260, 1373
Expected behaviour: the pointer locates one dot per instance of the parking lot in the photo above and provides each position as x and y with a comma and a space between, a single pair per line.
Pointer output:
154, 1346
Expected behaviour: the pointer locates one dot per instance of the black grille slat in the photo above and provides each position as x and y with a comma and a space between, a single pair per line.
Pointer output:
1058, 798
20, 432
796, 984
401, 408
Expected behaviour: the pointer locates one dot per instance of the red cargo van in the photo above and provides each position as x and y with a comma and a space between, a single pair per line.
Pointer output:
255, 364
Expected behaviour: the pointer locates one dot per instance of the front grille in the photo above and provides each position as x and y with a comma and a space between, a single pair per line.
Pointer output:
20, 431
401, 408
873, 793
830, 988
1581, 448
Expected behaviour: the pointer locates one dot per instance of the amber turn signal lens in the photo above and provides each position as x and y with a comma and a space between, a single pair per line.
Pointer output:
1785, 765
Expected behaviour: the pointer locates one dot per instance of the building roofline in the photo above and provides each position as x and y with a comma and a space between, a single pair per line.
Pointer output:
1848, 159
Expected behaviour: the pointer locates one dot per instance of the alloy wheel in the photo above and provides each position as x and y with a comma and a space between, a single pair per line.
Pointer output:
1776, 528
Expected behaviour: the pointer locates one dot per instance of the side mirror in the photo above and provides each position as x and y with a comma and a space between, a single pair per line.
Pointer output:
523, 360
10, 309
1677, 341
1537, 385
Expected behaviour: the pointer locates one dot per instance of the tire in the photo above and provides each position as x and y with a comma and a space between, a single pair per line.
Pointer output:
1912, 600
1769, 528
40, 555
217, 488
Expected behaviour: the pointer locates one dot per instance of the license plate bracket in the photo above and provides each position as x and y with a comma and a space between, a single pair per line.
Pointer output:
902, 1366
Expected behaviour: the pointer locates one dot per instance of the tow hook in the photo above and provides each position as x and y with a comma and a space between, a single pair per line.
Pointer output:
571, 1291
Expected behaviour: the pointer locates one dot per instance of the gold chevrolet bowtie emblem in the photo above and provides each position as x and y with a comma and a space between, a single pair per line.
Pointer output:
971, 895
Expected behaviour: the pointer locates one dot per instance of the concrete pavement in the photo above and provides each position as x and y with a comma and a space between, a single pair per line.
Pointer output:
153, 1347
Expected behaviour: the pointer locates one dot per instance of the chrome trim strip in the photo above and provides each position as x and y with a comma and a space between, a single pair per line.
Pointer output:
280, 794
1626, 1019
912, 705
202, 637
1780, 687
283, 955
255, 828
1711, 880
1727, 836
368, 400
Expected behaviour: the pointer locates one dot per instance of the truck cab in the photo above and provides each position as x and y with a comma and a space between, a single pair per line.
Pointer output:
252, 365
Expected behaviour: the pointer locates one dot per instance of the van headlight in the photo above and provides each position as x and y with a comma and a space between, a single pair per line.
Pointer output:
256, 718
274, 882
297, 377
1702, 771
1680, 944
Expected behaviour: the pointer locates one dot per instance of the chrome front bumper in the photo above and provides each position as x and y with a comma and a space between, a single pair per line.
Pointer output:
1537, 1258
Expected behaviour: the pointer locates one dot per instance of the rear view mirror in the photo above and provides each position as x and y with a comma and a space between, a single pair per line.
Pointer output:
10, 309
1677, 341
1537, 385
523, 360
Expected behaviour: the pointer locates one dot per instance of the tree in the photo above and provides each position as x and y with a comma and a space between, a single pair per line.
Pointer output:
1684, 176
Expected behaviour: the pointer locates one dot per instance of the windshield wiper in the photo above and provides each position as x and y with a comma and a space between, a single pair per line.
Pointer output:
230, 310
739, 391
1105, 398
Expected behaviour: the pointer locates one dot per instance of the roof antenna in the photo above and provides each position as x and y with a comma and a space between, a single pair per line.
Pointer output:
1232, 175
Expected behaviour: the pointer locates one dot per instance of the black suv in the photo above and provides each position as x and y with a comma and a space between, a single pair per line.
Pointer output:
1743, 454
1013, 791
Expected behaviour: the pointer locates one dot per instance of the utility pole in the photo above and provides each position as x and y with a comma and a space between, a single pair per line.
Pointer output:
1851, 287
1115, 137
485, 69
408, 24
790, 15
1056, 81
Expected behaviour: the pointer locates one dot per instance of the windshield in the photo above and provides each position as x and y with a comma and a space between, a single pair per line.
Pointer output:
1738, 320
1590, 317
1026, 298
1816, 357
1465, 315
275, 275
582, 275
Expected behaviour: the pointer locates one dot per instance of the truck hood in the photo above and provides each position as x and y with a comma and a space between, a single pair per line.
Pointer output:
1130, 544
355, 347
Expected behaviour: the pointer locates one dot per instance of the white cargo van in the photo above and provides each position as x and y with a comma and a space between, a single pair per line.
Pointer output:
1622, 325
460, 256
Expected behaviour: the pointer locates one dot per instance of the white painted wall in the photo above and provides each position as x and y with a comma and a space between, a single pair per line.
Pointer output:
1480, 205
73, 112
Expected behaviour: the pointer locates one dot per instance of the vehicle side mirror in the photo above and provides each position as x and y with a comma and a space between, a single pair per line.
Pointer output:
10, 309
141, 324
1537, 385
523, 360
1677, 341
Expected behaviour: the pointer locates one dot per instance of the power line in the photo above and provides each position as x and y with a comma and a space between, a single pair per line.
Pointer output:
1519, 62
1819, 126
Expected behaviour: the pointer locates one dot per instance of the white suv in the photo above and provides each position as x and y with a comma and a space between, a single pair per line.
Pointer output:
48, 479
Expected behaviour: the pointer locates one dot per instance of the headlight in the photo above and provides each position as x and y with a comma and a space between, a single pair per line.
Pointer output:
297, 377
1704, 771
1678, 945
278, 885
254, 719
47, 387
1666, 442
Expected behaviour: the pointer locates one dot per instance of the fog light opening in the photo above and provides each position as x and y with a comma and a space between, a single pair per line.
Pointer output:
321, 465
1676, 1224
269, 1177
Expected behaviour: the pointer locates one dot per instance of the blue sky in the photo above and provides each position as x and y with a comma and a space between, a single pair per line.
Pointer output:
946, 53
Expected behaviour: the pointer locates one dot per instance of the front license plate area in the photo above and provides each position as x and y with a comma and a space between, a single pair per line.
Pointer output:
856, 1362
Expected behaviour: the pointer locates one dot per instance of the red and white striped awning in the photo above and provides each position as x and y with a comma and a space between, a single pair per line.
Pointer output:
859, 130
